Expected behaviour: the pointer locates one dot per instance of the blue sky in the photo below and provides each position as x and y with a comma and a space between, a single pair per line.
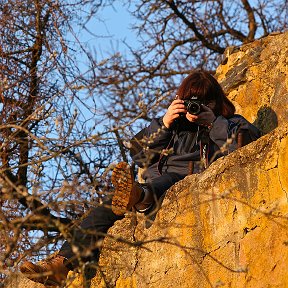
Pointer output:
110, 28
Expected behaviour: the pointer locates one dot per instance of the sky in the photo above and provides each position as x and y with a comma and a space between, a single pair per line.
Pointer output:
105, 34
111, 26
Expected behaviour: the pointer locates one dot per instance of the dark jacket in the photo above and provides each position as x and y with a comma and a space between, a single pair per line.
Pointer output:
184, 141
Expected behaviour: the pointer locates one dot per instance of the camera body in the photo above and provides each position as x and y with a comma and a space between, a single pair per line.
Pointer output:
193, 105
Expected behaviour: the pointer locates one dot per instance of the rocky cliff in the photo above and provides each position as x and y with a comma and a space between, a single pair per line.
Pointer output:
226, 227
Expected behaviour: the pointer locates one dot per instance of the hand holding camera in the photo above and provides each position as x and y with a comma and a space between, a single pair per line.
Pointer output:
193, 109
174, 111
205, 117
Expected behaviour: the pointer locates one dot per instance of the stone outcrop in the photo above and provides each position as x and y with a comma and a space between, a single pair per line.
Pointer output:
16, 280
255, 78
226, 227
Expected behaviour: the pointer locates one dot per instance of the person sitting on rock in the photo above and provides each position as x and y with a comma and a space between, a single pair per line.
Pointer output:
199, 126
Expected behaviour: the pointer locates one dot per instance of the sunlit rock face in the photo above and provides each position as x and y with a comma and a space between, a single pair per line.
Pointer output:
226, 227
255, 77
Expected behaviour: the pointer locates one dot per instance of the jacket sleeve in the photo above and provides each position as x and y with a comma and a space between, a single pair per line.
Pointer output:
147, 144
226, 133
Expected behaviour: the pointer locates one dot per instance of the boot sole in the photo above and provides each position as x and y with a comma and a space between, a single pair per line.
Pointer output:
28, 269
122, 179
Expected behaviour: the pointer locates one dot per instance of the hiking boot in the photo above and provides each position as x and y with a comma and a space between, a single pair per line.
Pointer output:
127, 192
50, 272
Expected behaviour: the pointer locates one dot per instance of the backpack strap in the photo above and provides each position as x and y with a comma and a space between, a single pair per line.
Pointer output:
164, 153
240, 130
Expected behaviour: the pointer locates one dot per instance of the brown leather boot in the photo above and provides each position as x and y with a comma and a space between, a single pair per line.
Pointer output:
127, 192
50, 272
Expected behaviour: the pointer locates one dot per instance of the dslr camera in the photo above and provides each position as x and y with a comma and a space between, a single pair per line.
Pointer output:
193, 105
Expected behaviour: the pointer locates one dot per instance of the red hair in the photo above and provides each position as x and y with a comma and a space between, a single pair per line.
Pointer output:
206, 88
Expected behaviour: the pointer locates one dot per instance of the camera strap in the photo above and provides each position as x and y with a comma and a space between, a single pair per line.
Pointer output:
204, 150
204, 147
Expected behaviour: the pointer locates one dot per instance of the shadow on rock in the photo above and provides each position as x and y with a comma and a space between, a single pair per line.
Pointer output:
267, 119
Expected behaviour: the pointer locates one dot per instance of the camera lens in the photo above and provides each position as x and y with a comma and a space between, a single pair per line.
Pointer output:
193, 108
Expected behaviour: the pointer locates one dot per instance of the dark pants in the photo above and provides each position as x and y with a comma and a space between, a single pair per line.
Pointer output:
91, 230
100, 219
162, 183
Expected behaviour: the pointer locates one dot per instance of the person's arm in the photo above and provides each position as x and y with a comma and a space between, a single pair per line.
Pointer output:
147, 145
158, 134
224, 132
219, 132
